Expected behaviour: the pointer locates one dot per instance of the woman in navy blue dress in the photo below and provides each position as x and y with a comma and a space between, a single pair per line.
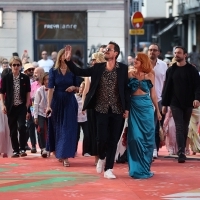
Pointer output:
61, 102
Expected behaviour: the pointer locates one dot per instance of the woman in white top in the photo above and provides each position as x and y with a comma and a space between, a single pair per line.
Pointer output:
39, 112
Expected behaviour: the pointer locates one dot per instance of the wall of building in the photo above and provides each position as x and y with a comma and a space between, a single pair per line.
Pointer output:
8, 34
105, 23
153, 9
25, 33
67, 5
17, 32
103, 27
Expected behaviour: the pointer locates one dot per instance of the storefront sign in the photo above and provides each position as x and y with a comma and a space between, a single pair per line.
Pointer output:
60, 25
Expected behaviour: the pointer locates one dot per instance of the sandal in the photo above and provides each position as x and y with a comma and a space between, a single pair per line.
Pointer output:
5, 155
66, 163
60, 160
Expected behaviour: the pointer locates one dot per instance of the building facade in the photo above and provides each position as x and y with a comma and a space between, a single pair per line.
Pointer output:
187, 12
49, 25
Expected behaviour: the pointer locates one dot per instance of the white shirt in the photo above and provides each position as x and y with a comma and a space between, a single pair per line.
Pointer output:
160, 74
1, 69
40, 102
46, 64
81, 117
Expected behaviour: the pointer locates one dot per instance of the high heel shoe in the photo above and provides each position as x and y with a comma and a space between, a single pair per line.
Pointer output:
66, 163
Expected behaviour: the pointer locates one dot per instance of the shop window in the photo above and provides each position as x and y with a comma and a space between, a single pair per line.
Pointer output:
61, 26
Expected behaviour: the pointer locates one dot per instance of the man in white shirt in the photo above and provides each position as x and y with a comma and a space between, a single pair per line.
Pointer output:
160, 69
45, 63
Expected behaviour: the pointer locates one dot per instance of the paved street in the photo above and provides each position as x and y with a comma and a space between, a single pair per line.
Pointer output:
33, 177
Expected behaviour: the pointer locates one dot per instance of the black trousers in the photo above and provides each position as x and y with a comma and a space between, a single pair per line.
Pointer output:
109, 129
181, 119
86, 142
17, 122
31, 131
157, 126
42, 131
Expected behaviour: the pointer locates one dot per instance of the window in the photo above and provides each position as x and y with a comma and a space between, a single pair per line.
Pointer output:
61, 26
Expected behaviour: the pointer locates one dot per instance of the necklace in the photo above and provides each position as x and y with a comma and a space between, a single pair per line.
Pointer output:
63, 68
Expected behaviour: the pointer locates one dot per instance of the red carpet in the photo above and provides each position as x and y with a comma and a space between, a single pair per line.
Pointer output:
33, 177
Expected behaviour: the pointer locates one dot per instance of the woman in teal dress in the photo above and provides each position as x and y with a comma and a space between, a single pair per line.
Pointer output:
141, 128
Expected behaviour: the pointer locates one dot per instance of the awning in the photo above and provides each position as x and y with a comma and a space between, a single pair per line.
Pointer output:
169, 26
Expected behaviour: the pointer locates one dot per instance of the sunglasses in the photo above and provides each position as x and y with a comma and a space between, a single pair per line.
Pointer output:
108, 49
154, 50
16, 65
31, 69
5, 63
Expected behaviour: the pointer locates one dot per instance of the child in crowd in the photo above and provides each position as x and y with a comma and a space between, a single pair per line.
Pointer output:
39, 113
82, 122
170, 131
5, 141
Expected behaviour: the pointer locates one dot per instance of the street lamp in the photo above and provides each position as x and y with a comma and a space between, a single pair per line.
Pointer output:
1, 17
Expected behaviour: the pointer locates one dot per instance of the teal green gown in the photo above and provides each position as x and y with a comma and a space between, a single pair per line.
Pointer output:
141, 131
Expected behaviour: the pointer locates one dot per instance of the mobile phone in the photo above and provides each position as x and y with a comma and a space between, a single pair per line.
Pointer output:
48, 113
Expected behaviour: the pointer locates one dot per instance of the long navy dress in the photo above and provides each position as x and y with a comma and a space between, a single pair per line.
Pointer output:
62, 126
141, 131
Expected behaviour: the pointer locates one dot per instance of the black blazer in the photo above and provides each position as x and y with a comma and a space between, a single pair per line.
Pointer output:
95, 73
7, 89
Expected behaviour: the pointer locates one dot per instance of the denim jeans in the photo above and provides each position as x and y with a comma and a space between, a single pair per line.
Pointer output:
181, 119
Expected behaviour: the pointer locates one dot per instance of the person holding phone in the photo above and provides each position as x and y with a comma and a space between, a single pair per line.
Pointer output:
61, 102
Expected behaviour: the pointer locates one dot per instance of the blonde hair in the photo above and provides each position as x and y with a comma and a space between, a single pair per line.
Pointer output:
99, 57
4, 60
44, 76
58, 61
15, 58
146, 65
172, 62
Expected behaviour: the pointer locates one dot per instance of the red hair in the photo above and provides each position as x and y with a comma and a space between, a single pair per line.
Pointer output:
146, 65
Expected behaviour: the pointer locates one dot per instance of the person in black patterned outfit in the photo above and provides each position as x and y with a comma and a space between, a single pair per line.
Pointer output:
110, 97
15, 92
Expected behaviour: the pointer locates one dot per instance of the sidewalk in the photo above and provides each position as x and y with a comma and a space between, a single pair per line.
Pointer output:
33, 177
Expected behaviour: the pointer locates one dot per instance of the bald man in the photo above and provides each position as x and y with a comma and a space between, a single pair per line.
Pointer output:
45, 63
54, 56
38, 75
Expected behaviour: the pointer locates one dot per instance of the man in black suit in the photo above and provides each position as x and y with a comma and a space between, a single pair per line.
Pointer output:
15, 93
110, 97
